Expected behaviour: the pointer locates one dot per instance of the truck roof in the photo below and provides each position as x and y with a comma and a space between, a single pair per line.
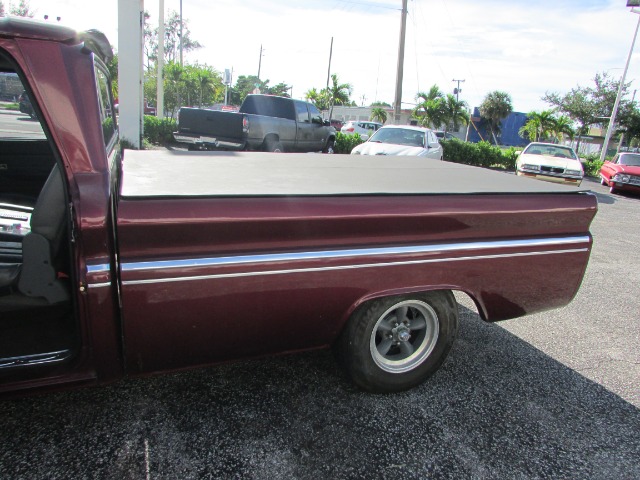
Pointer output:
163, 173
19, 27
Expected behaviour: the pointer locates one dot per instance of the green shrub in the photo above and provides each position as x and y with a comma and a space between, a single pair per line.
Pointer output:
592, 167
481, 154
159, 131
345, 142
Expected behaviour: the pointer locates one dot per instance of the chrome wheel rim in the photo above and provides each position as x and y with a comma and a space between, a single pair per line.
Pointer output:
404, 336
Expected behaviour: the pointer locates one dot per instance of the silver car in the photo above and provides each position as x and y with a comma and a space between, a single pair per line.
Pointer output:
363, 128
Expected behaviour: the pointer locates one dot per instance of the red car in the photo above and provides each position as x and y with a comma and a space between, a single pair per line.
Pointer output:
622, 173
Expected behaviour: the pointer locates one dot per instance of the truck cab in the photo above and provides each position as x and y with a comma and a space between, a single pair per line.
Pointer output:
44, 238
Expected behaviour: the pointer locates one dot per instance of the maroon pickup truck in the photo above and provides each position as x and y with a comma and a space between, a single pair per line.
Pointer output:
114, 265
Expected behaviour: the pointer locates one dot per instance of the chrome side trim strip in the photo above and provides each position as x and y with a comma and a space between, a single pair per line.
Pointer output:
38, 359
98, 285
98, 268
360, 252
348, 267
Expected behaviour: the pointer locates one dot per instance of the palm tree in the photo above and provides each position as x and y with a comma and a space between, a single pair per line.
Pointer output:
205, 78
339, 93
429, 111
531, 129
379, 114
562, 126
455, 112
318, 98
495, 107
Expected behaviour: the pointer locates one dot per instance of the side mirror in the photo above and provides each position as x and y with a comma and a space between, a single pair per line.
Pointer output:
326, 123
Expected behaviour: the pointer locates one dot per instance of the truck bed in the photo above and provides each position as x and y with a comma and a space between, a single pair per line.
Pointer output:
163, 173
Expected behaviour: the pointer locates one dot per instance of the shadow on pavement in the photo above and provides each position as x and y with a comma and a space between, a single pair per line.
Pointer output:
498, 408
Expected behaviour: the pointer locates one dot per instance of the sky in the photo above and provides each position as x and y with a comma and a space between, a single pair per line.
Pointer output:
522, 47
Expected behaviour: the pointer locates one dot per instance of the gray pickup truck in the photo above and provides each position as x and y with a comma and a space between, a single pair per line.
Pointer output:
264, 123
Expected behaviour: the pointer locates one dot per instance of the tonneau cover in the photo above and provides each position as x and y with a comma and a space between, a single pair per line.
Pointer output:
165, 173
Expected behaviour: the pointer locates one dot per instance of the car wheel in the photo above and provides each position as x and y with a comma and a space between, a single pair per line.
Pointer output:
602, 181
395, 343
613, 190
274, 146
329, 148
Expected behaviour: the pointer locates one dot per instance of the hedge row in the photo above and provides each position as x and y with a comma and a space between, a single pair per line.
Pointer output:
345, 142
159, 131
481, 154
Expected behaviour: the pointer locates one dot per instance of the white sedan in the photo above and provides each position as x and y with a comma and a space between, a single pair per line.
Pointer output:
401, 140
550, 162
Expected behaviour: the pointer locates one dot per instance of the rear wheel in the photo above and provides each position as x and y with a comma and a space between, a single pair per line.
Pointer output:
274, 146
330, 147
395, 343
602, 181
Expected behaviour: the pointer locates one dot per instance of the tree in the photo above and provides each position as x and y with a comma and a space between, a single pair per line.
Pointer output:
245, 84
587, 106
319, 98
562, 126
171, 40
429, 110
379, 114
539, 126
454, 112
381, 104
23, 9
495, 107
338, 93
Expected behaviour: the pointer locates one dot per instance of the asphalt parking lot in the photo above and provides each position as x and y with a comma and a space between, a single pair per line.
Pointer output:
552, 395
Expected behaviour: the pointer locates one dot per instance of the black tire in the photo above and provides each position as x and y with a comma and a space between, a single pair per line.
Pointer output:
613, 190
602, 181
395, 343
274, 146
329, 147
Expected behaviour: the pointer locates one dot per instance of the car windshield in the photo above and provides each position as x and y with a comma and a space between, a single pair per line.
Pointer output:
630, 159
399, 136
550, 151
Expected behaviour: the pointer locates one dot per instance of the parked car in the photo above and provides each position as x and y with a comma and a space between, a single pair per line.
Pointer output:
337, 124
622, 173
364, 129
401, 140
25, 105
550, 162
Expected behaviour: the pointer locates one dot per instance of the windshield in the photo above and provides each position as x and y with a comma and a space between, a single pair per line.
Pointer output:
550, 151
399, 136
629, 159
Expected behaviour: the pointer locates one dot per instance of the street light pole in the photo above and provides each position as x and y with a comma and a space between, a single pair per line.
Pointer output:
614, 112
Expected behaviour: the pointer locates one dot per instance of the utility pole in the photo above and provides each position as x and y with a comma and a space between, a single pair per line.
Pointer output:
398, 99
457, 90
329, 69
260, 62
